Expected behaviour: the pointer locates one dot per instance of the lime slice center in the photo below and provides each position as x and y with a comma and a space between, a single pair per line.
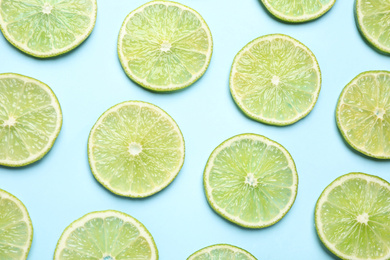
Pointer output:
275, 80
380, 112
108, 258
47, 8
251, 180
135, 149
10, 122
165, 46
363, 218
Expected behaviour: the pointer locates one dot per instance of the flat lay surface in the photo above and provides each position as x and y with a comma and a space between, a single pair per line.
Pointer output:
60, 188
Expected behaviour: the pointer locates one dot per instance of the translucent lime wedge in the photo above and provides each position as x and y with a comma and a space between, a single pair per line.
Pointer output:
47, 28
275, 79
135, 149
352, 217
251, 180
16, 231
30, 119
363, 114
106, 235
221, 252
164, 46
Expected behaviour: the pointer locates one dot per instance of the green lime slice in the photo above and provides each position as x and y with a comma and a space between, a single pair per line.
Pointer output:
135, 149
373, 22
298, 11
164, 46
47, 28
251, 180
363, 114
275, 79
16, 231
30, 119
352, 217
225, 252
106, 235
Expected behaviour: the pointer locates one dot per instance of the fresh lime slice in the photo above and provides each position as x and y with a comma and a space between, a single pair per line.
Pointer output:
373, 21
135, 149
47, 28
224, 252
106, 235
352, 217
30, 119
164, 46
298, 11
16, 231
251, 180
363, 114
275, 79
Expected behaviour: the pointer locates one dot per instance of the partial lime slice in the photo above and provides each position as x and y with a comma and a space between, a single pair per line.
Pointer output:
30, 119
106, 235
16, 231
352, 217
251, 180
275, 79
298, 11
47, 28
135, 149
225, 252
363, 114
164, 46
373, 22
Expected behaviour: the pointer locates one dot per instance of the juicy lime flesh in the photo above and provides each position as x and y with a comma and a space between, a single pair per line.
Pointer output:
221, 252
165, 45
364, 113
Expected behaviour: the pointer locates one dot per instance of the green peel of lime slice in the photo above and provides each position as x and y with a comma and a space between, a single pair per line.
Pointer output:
275, 79
106, 235
16, 231
251, 180
352, 217
222, 251
164, 46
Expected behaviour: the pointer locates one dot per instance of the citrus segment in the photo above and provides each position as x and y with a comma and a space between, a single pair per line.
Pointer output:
217, 252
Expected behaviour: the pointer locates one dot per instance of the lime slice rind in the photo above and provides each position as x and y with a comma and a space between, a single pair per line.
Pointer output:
239, 252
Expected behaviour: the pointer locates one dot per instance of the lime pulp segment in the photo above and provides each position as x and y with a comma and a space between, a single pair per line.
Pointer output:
164, 46
217, 252
353, 217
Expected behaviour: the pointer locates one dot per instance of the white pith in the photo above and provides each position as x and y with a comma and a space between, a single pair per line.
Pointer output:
207, 250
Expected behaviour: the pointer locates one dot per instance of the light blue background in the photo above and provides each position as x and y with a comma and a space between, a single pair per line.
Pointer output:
60, 188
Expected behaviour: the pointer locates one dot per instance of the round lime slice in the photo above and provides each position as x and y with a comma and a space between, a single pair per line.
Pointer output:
222, 251
373, 22
16, 231
251, 180
30, 119
164, 46
106, 235
352, 217
135, 149
275, 79
47, 28
363, 114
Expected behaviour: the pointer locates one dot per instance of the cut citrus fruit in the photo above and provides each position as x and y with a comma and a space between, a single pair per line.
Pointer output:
352, 217
164, 46
16, 231
106, 235
135, 149
30, 119
47, 28
251, 180
363, 114
299, 10
222, 251
372, 19
275, 80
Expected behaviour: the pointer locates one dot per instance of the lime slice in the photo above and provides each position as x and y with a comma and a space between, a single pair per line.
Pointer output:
106, 235
217, 252
372, 19
352, 217
30, 119
363, 114
16, 231
47, 28
164, 46
135, 149
298, 11
275, 79
251, 180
